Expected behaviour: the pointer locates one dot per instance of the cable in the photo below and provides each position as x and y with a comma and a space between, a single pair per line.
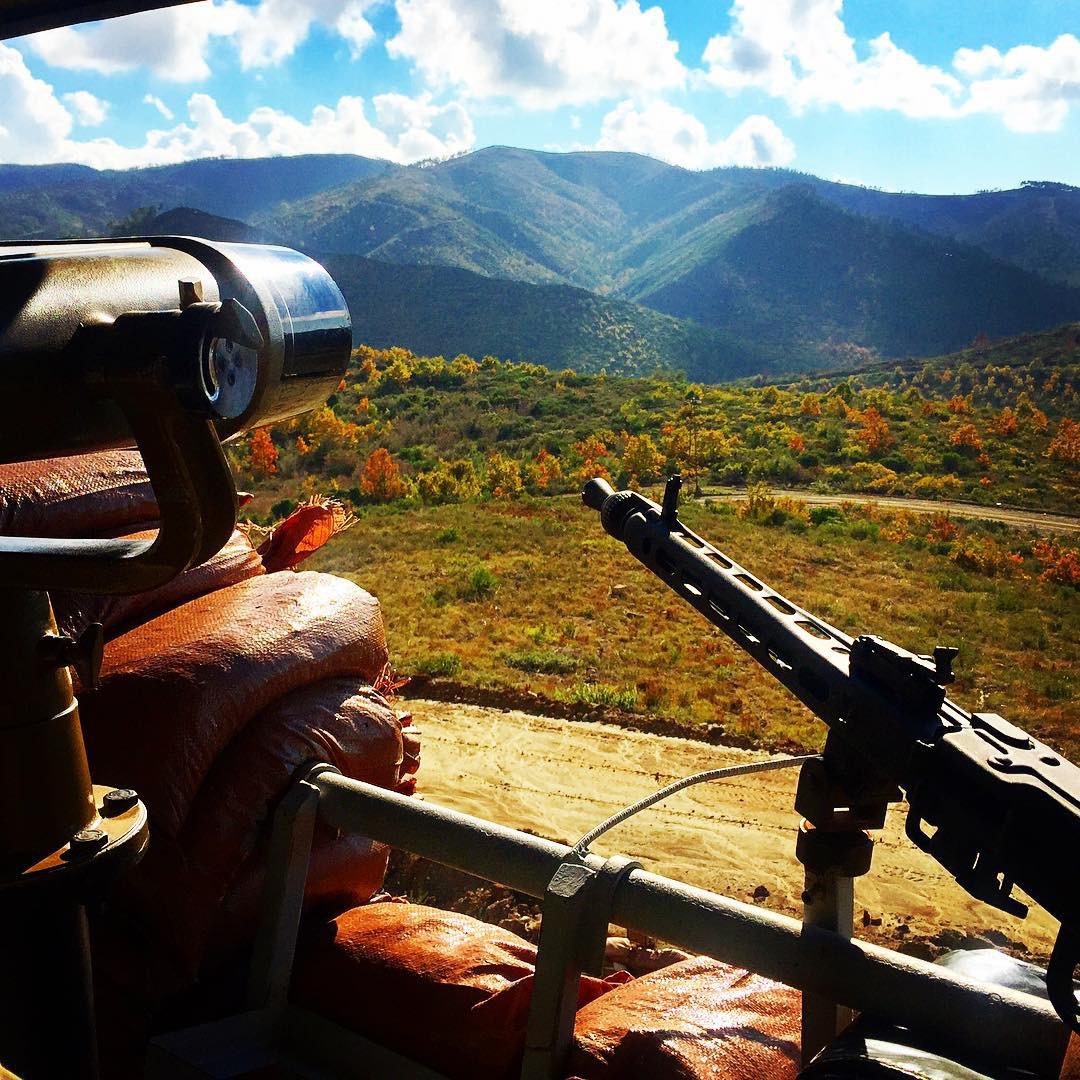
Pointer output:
582, 846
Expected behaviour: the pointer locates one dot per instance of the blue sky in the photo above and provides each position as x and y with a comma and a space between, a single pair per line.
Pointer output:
915, 95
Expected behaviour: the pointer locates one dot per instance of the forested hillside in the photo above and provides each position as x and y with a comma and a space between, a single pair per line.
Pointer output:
780, 271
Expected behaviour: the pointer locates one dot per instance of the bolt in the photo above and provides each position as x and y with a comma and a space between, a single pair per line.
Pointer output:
87, 842
118, 801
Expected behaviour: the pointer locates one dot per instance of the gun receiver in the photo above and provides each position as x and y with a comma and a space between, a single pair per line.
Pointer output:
993, 805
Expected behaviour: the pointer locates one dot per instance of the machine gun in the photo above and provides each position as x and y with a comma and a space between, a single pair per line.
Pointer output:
994, 806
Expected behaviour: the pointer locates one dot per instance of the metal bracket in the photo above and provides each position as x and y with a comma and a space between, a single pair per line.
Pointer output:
283, 891
573, 932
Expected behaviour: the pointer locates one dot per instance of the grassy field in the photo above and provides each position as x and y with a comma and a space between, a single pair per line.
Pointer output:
531, 595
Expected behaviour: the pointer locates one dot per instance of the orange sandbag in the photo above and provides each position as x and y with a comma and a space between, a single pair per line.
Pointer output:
235, 562
694, 1020
442, 988
337, 721
89, 495
199, 895
176, 690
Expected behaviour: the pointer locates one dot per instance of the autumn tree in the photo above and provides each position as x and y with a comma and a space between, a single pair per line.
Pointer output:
874, 432
966, 437
595, 458
1005, 423
810, 405
641, 459
503, 475
380, 477
959, 405
546, 471
1065, 445
263, 454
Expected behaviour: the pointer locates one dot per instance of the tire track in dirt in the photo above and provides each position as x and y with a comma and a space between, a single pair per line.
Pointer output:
1039, 520
559, 779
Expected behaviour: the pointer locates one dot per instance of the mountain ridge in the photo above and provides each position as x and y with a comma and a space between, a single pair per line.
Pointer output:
773, 260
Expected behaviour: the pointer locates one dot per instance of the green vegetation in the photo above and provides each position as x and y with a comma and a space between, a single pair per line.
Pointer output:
410, 430
576, 619
440, 309
464, 476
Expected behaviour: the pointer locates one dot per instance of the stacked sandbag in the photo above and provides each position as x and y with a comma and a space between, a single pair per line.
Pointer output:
696, 1019
453, 993
439, 987
91, 495
216, 689
235, 562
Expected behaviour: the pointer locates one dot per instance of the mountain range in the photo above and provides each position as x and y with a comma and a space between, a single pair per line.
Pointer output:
611, 260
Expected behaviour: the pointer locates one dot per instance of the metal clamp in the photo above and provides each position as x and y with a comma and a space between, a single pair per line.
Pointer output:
573, 933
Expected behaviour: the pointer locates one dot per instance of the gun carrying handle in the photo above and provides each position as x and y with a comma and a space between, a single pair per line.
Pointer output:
1059, 977
196, 498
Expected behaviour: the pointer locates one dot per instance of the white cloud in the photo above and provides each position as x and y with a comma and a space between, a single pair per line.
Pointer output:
157, 103
35, 122
663, 131
173, 42
38, 129
540, 54
1030, 88
800, 50
89, 110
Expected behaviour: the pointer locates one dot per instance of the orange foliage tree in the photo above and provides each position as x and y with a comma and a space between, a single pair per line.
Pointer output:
595, 458
380, 477
1065, 445
967, 437
874, 433
1005, 423
546, 472
263, 453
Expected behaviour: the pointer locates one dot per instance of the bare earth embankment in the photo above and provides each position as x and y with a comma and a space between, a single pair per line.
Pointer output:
558, 778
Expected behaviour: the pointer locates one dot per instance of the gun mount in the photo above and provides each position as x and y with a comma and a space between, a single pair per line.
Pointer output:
994, 806
168, 344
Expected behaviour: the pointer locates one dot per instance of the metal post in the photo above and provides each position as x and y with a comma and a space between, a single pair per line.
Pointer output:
831, 861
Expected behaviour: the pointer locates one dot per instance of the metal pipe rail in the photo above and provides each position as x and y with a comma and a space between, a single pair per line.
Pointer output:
983, 1022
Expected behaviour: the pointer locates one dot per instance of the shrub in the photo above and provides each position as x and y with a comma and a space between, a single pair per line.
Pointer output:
503, 476
599, 694
439, 665
542, 662
824, 515
447, 536
481, 584
1060, 564
982, 554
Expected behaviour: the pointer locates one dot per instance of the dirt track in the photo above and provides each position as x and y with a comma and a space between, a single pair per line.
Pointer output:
1021, 519
559, 778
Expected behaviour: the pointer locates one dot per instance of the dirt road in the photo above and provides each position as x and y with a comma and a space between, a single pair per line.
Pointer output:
559, 778
1021, 519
